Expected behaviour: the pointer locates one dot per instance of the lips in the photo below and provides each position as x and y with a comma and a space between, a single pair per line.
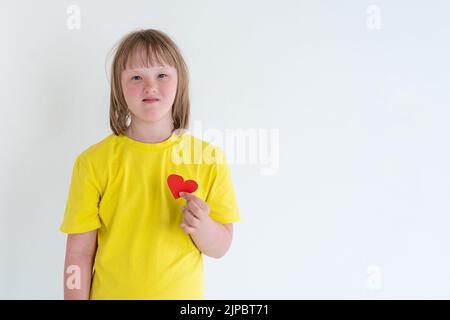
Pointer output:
150, 99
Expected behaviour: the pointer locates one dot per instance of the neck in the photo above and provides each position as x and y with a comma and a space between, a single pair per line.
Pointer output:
150, 132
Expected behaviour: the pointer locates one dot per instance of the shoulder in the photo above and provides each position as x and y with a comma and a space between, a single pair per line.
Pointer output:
99, 150
96, 159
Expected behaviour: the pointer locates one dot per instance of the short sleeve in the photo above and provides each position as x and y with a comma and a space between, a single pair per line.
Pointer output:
221, 197
81, 213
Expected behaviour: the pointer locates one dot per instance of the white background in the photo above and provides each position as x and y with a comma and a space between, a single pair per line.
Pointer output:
359, 206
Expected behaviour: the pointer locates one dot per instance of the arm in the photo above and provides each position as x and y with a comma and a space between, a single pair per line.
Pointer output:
213, 239
80, 253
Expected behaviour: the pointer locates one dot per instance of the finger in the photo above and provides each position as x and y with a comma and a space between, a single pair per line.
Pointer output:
189, 197
184, 223
190, 218
202, 204
187, 228
194, 208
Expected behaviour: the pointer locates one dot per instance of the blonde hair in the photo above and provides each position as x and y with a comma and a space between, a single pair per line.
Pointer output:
157, 46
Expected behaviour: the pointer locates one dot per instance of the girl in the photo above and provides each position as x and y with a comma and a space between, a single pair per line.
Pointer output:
142, 208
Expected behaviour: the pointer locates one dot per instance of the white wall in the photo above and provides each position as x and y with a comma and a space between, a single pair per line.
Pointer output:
359, 205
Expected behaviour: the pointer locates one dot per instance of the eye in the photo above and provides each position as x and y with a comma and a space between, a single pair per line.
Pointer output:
163, 75
134, 77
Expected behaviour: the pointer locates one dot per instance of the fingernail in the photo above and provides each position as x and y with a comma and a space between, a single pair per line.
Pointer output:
181, 194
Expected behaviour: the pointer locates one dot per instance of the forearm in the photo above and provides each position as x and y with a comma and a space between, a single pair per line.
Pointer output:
77, 276
213, 239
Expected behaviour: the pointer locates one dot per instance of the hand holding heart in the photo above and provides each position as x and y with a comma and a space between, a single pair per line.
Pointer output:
195, 213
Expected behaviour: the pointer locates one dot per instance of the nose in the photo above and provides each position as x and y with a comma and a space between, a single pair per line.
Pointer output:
150, 86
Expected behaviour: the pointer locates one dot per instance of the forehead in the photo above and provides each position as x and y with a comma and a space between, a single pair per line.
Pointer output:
142, 69
141, 59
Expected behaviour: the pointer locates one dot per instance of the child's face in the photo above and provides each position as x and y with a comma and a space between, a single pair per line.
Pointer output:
139, 83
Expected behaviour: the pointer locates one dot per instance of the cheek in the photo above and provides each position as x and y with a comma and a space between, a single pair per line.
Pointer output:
169, 89
131, 91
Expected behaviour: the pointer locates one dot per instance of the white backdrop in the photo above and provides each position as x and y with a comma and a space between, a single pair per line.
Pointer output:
351, 97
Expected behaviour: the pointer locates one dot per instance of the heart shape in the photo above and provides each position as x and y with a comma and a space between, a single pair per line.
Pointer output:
177, 184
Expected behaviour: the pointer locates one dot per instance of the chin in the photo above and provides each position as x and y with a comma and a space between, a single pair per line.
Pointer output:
154, 116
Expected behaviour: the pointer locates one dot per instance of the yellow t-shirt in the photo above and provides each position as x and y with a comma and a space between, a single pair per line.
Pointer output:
119, 186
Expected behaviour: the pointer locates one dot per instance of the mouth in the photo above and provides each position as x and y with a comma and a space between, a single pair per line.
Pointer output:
150, 100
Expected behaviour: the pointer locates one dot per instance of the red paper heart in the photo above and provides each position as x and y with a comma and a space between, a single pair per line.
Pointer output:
177, 184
